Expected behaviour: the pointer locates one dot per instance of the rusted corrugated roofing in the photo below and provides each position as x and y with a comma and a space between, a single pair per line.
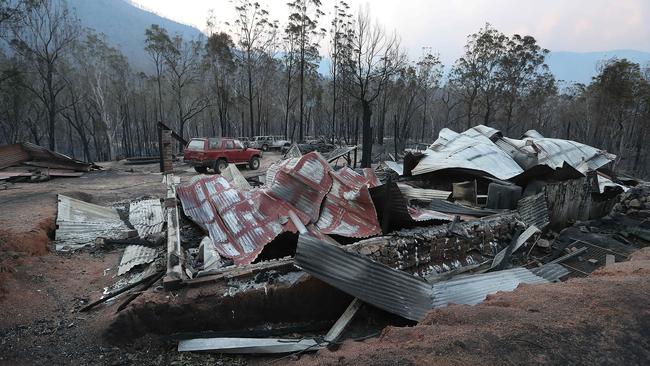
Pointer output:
348, 209
236, 221
241, 223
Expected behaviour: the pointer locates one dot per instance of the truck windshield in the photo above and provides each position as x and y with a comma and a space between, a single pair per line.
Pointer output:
195, 145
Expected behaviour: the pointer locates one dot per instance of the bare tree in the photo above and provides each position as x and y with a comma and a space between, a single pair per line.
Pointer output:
376, 57
255, 36
44, 36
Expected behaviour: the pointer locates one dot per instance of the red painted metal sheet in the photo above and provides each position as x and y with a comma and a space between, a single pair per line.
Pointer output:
303, 183
348, 209
241, 222
235, 220
11, 155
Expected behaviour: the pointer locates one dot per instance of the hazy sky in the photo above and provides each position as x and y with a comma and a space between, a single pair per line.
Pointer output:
443, 25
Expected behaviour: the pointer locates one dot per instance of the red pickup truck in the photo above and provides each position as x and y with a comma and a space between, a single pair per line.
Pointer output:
217, 153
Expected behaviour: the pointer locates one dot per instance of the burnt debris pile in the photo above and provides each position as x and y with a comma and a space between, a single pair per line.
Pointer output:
473, 214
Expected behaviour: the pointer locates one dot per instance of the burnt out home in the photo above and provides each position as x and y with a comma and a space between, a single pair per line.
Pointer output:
227, 266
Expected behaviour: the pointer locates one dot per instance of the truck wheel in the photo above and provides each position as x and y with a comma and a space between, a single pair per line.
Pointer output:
254, 163
265, 147
201, 169
220, 165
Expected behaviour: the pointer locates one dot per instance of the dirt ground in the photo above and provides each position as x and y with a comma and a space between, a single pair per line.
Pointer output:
602, 319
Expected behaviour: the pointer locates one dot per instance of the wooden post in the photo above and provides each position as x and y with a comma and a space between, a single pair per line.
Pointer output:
385, 219
160, 149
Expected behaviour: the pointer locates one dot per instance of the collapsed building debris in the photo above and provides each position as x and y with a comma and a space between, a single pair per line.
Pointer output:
459, 228
27, 161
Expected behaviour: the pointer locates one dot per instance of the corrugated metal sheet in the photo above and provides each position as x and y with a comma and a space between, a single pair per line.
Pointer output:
552, 272
422, 194
484, 149
533, 210
348, 209
135, 255
235, 177
146, 216
401, 214
79, 223
395, 166
13, 154
469, 151
442, 205
339, 152
473, 289
604, 183
235, 220
294, 152
388, 289
241, 223
303, 184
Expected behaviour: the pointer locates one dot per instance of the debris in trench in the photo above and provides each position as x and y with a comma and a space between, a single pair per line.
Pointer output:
247, 345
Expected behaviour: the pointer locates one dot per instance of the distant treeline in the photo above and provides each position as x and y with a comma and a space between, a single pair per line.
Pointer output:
66, 88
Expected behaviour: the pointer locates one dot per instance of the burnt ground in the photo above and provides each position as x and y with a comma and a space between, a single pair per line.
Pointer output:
602, 319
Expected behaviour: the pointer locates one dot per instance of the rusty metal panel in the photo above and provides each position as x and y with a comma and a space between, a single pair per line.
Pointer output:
348, 209
303, 183
238, 223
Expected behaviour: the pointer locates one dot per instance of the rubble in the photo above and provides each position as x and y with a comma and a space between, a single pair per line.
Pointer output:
475, 214
27, 161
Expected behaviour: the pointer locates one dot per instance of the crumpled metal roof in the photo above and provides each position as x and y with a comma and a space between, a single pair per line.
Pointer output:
302, 183
240, 222
146, 216
135, 255
236, 223
348, 209
470, 151
486, 150
235, 177
79, 223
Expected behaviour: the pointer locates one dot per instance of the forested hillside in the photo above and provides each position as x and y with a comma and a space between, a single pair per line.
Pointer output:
72, 89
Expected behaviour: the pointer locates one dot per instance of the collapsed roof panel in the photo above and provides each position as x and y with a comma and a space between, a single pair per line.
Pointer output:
348, 209
473, 152
485, 149
299, 191
26, 152
238, 227
79, 223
